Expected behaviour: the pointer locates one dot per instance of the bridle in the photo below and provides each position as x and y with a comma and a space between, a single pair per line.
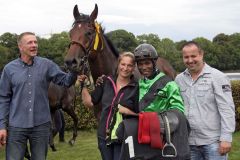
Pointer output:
91, 48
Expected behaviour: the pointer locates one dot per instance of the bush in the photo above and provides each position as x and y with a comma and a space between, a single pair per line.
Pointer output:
86, 118
236, 99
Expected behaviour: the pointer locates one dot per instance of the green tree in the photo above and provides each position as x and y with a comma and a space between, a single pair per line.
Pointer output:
55, 47
4, 56
9, 41
169, 51
235, 51
227, 51
152, 39
180, 44
123, 40
221, 39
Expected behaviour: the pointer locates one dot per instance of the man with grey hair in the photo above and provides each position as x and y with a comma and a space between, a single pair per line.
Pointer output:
24, 106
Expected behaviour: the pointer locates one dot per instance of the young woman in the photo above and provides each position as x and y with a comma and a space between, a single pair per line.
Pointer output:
117, 94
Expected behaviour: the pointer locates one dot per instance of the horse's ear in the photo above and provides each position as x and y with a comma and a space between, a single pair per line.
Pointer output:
94, 13
76, 13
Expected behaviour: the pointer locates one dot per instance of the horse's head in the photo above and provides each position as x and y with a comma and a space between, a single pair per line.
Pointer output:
83, 37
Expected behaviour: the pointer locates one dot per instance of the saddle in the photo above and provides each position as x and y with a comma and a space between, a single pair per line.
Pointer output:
174, 129
172, 125
155, 129
168, 120
173, 121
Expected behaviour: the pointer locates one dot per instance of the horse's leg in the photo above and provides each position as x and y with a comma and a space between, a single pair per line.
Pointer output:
62, 129
52, 133
51, 141
70, 111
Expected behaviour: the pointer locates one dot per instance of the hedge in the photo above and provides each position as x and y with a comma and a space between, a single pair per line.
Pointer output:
236, 98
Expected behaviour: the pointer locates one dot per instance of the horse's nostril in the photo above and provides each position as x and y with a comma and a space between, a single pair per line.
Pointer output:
68, 63
74, 61
71, 63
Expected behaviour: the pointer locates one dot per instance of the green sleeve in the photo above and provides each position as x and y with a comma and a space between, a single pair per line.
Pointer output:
174, 97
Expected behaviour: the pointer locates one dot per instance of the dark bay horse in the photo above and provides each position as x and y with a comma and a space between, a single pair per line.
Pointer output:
90, 47
90, 50
88, 43
62, 98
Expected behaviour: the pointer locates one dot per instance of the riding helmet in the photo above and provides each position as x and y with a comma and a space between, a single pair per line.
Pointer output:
145, 51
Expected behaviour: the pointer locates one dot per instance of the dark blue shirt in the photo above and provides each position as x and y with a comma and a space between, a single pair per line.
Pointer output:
24, 91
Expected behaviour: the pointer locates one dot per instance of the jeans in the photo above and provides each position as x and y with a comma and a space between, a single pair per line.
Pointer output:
17, 142
206, 152
111, 152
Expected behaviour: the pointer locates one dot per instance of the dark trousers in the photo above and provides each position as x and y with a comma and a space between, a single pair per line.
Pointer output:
17, 142
111, 152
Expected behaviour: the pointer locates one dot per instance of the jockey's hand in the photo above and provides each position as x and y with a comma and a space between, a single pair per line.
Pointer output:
3, 137
126, 111
99, 80
224, 147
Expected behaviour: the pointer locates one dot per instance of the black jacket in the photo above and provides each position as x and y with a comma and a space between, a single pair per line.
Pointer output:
105, 94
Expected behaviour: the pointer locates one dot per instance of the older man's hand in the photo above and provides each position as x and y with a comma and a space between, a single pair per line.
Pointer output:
3, 137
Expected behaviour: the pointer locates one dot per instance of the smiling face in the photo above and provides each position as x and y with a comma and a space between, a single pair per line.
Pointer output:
28, 46
145, 67
193, 58
126, 66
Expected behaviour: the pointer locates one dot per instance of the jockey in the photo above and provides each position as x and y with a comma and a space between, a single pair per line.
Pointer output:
168, 97
160, 95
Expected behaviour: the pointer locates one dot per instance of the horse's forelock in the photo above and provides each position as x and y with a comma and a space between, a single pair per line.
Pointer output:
82, 18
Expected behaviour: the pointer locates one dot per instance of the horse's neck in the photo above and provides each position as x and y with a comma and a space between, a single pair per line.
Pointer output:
103, 62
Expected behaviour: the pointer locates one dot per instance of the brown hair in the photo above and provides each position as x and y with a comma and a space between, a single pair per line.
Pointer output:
192, 43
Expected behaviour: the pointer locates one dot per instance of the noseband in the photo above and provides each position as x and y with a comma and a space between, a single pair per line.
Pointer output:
87, 50
83, 62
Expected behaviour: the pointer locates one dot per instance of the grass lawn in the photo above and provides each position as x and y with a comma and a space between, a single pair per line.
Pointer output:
85, 148
235, 151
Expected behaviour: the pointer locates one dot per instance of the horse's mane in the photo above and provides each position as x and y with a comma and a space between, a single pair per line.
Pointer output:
111, 46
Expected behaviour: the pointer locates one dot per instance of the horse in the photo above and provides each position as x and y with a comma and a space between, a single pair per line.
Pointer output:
91, 51
89, 43
62, 98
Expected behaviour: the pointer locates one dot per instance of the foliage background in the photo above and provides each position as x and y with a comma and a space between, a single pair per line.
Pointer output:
222, 52
236, 99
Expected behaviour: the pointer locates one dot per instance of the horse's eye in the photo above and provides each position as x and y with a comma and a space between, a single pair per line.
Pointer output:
88, 34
